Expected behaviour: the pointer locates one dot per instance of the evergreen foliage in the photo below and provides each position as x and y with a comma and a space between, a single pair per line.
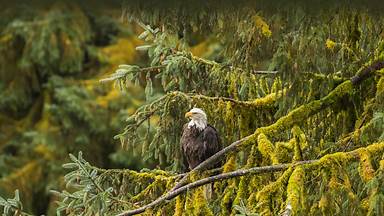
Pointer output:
305, 140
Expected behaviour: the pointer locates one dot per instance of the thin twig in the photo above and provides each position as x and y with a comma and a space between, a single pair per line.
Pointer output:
264, 72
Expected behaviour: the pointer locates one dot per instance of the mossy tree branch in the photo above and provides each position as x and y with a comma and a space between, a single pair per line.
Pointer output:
322, 162
293, 118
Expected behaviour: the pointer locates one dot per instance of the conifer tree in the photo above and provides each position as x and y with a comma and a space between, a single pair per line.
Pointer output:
296, 94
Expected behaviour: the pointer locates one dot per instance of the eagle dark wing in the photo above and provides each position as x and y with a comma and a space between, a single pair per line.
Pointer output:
183, 143
197, 146
211, 141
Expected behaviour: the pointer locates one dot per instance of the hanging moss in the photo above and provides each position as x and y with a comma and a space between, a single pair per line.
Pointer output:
301, 113
252, 159
266, 148
230, 164
227, 200
200, 203
295, 189
365, 169
189, 204
179, 206
336, 158
283, 150
267, 193
300, 136
241, 192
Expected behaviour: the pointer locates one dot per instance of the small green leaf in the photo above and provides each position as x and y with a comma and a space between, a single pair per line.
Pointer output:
143, 35
17, 195
73, 158
143, 48
70, 165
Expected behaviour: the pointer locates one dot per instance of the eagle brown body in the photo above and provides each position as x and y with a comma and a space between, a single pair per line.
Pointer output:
198, 145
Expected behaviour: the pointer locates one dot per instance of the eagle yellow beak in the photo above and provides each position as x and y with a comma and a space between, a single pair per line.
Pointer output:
188, 115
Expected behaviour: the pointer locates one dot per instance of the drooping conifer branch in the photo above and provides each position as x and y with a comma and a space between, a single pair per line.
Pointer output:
295, 117
264, 102
201, 182
322, 162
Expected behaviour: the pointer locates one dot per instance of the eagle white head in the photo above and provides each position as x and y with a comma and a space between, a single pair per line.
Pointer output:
198, 118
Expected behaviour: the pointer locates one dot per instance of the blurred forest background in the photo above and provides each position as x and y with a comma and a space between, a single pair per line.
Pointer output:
52, 56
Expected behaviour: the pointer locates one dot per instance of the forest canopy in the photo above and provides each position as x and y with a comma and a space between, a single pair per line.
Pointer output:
295, 90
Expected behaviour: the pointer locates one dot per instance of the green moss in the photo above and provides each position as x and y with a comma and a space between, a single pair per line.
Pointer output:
230, 165
274, 186
227, 200
300, 137
266, 101
366, 170
295, 188
200, 204
189, 203
266, 148
252, 160
375, 148
267, 192
338, 158
283, 150
241, 192
179, 206
300, 114
381, 165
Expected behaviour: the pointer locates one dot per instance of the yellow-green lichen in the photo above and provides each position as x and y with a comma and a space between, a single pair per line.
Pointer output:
376, 148
263, 196
300, 136
295, 188
200, 204
300, 114
381, 165
266, 101
324, 203
251, 160
266, 148
366, 170
338, 158
283, 150
179, 206
230, 165
297, 154
227, 200
242, 190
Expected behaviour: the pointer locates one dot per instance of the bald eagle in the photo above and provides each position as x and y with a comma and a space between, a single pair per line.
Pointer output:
199, 140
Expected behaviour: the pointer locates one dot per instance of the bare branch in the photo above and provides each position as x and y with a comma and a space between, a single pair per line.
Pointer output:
264, 72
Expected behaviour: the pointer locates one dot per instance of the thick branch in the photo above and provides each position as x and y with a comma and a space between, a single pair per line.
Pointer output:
367, 71
303, 112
